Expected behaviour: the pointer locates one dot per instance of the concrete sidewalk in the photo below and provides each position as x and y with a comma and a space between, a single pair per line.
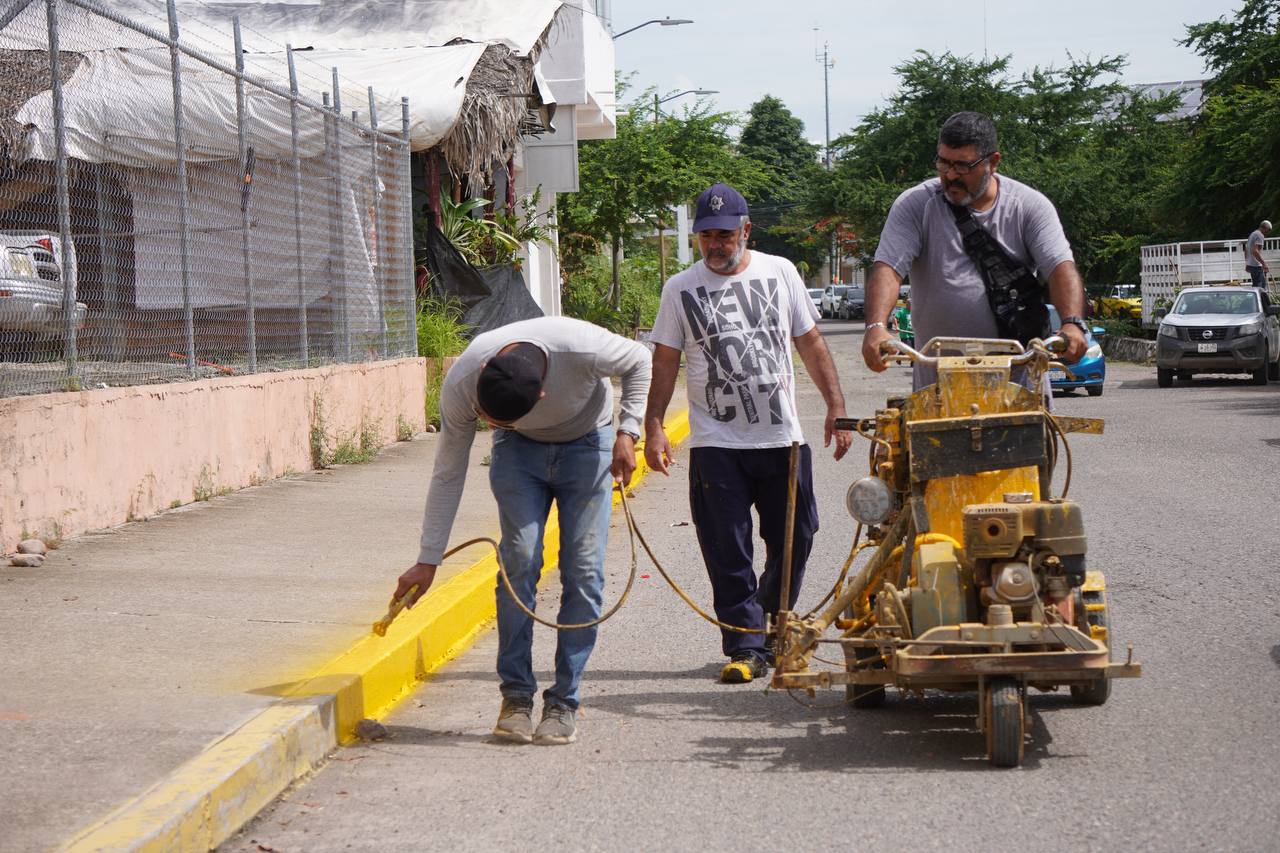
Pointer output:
134, 654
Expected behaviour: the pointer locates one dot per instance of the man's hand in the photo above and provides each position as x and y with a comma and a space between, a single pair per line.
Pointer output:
1077, 343
624, 459
871, 341
421, 574
844, 438
658, 453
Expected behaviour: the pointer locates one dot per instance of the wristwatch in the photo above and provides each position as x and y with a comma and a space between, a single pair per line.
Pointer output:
1078, 322
634, 436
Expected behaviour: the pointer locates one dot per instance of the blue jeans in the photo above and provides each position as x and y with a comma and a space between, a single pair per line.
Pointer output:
1259, 278
526, 476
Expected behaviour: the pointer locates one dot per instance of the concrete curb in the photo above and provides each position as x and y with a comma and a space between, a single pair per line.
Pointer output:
204, 801
1129, 349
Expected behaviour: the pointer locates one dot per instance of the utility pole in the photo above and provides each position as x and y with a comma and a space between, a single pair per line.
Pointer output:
827, 65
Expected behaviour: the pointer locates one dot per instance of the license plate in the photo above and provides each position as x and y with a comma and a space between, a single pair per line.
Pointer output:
1206, 347
21, 264
1057, 376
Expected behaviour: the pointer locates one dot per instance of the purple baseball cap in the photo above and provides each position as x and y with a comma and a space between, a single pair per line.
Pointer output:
719, 208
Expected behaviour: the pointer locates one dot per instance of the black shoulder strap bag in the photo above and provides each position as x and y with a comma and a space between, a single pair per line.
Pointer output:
1013, 291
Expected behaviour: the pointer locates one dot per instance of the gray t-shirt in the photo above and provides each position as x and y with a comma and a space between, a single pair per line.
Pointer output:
581, 358
948, 297
1255, 239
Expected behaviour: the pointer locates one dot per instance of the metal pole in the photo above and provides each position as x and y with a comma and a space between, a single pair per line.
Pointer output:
246, 175
379, 272
340, 199
179, 146
64, 199
406, 186
297, 206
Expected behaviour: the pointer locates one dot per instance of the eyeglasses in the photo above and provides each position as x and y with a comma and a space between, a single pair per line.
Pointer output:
943, 165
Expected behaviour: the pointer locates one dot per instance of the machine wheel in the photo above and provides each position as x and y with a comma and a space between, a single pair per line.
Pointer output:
1095, 692
1260, 375
1164, 377
862, 696
1005, 723
1094, 390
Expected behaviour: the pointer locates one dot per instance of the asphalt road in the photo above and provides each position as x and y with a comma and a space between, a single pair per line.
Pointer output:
1180, 501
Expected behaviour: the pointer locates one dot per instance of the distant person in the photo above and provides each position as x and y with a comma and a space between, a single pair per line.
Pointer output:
543, 384
1253, 261
902, 322
950, 295
735, 316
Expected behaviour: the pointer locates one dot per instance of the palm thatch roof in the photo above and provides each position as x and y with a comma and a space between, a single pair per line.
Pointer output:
25, 74
494, 109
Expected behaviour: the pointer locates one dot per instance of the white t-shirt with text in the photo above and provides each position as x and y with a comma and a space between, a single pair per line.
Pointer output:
735, 332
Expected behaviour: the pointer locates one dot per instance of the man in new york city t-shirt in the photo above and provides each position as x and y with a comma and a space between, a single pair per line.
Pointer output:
734, 317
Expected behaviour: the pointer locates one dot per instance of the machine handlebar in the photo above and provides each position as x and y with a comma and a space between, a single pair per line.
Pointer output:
1037, 348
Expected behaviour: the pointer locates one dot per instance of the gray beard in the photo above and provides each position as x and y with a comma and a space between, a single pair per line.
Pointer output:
729, 265
978, 193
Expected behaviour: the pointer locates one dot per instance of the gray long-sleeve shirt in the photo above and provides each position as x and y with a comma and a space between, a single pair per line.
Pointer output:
578, 398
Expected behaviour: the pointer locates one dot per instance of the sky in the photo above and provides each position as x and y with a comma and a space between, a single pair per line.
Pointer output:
749, 48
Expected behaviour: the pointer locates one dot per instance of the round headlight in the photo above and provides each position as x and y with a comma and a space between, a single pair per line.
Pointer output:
869, 500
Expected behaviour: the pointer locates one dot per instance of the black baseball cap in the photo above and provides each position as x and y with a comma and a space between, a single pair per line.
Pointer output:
510, 383
719, 208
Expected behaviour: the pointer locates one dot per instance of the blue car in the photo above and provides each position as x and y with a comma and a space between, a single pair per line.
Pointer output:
1087, 373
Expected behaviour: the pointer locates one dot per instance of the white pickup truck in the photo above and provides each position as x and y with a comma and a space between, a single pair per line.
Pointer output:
1169, 267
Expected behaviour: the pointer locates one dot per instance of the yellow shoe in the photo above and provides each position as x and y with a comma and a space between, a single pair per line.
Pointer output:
743, 667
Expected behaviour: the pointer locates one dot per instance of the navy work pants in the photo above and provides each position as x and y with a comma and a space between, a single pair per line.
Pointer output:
724, 485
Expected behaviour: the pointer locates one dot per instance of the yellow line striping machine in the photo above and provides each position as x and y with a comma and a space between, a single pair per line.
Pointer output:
978, 579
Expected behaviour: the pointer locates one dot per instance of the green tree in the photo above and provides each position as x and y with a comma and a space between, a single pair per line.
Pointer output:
773, 138
1230, 180
631, 180
1100, 152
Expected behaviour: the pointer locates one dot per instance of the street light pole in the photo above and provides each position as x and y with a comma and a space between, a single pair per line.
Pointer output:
662, 242
662, 22
827, 64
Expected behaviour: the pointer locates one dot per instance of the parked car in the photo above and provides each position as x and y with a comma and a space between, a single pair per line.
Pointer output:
1224, 329
1089, 373
31, 284
815, 293
1119, 300
853, 303
831, 297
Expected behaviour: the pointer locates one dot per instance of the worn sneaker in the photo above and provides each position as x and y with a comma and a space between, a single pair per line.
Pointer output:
558, 726
743, 667
515, 720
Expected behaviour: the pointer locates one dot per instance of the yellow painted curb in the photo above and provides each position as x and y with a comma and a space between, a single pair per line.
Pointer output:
207, 799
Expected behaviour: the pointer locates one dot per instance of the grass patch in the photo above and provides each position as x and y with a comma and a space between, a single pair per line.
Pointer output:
404, 430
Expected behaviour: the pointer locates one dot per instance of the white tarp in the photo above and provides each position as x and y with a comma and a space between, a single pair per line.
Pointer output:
328, 24
119, 103
216, 273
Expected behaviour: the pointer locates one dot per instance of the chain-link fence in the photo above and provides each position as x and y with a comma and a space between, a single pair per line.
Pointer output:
175, 206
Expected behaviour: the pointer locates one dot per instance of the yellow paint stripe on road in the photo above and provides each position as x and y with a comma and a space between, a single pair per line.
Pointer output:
207, 799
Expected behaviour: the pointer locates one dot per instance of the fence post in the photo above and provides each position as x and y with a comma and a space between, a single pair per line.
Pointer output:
339, 199
179, 145
303, 344
246, 175
379, 274
69, 272
411, 312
